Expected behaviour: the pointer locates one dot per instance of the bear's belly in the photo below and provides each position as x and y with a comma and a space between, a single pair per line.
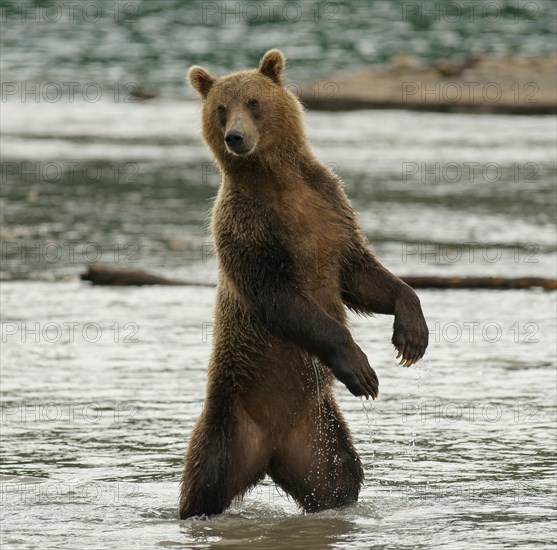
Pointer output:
292, 384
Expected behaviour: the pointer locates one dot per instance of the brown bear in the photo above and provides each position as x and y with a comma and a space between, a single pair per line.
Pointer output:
290, 256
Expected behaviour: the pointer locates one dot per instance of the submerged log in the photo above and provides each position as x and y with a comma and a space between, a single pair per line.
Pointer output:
493, 283
108, 275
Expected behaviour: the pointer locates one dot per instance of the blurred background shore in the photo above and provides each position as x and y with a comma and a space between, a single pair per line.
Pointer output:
477, 84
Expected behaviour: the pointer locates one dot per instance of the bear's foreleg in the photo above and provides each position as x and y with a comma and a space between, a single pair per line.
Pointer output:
368, 287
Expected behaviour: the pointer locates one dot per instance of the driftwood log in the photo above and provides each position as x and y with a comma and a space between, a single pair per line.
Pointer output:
493, 283
108, 275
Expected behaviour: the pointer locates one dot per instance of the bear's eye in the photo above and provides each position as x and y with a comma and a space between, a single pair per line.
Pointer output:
221, 113
253, 104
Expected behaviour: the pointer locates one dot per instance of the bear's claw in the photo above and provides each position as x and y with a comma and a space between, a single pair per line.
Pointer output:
350, 365
410, 343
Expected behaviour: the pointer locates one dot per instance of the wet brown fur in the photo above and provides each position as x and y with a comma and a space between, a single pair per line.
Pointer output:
291, 257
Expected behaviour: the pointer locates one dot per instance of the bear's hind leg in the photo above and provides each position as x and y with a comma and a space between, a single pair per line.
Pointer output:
318, 464
225, 458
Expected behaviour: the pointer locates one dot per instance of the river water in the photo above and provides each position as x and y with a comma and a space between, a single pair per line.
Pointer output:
100, 386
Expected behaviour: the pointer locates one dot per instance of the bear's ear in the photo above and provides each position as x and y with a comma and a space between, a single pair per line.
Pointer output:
201, 80
272, 65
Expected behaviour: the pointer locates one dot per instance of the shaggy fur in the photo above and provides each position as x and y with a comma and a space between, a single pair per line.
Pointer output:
291, 257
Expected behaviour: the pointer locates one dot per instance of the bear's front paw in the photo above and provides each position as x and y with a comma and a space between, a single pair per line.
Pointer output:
352, 368
410, 338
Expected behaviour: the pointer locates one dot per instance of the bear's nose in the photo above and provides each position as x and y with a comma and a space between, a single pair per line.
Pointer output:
234, 138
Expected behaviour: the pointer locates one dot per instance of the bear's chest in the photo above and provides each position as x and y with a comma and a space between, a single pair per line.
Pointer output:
317, 234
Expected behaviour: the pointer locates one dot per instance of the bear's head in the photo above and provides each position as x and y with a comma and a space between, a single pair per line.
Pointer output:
250, 113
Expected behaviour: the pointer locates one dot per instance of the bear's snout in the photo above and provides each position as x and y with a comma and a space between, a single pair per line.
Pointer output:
235, 140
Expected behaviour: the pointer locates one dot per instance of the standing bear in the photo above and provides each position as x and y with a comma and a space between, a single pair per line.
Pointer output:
291, 257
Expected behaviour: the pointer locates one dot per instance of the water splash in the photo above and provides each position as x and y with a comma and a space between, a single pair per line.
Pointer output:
422, 377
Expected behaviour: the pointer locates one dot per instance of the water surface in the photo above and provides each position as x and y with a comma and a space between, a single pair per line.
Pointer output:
100, 387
